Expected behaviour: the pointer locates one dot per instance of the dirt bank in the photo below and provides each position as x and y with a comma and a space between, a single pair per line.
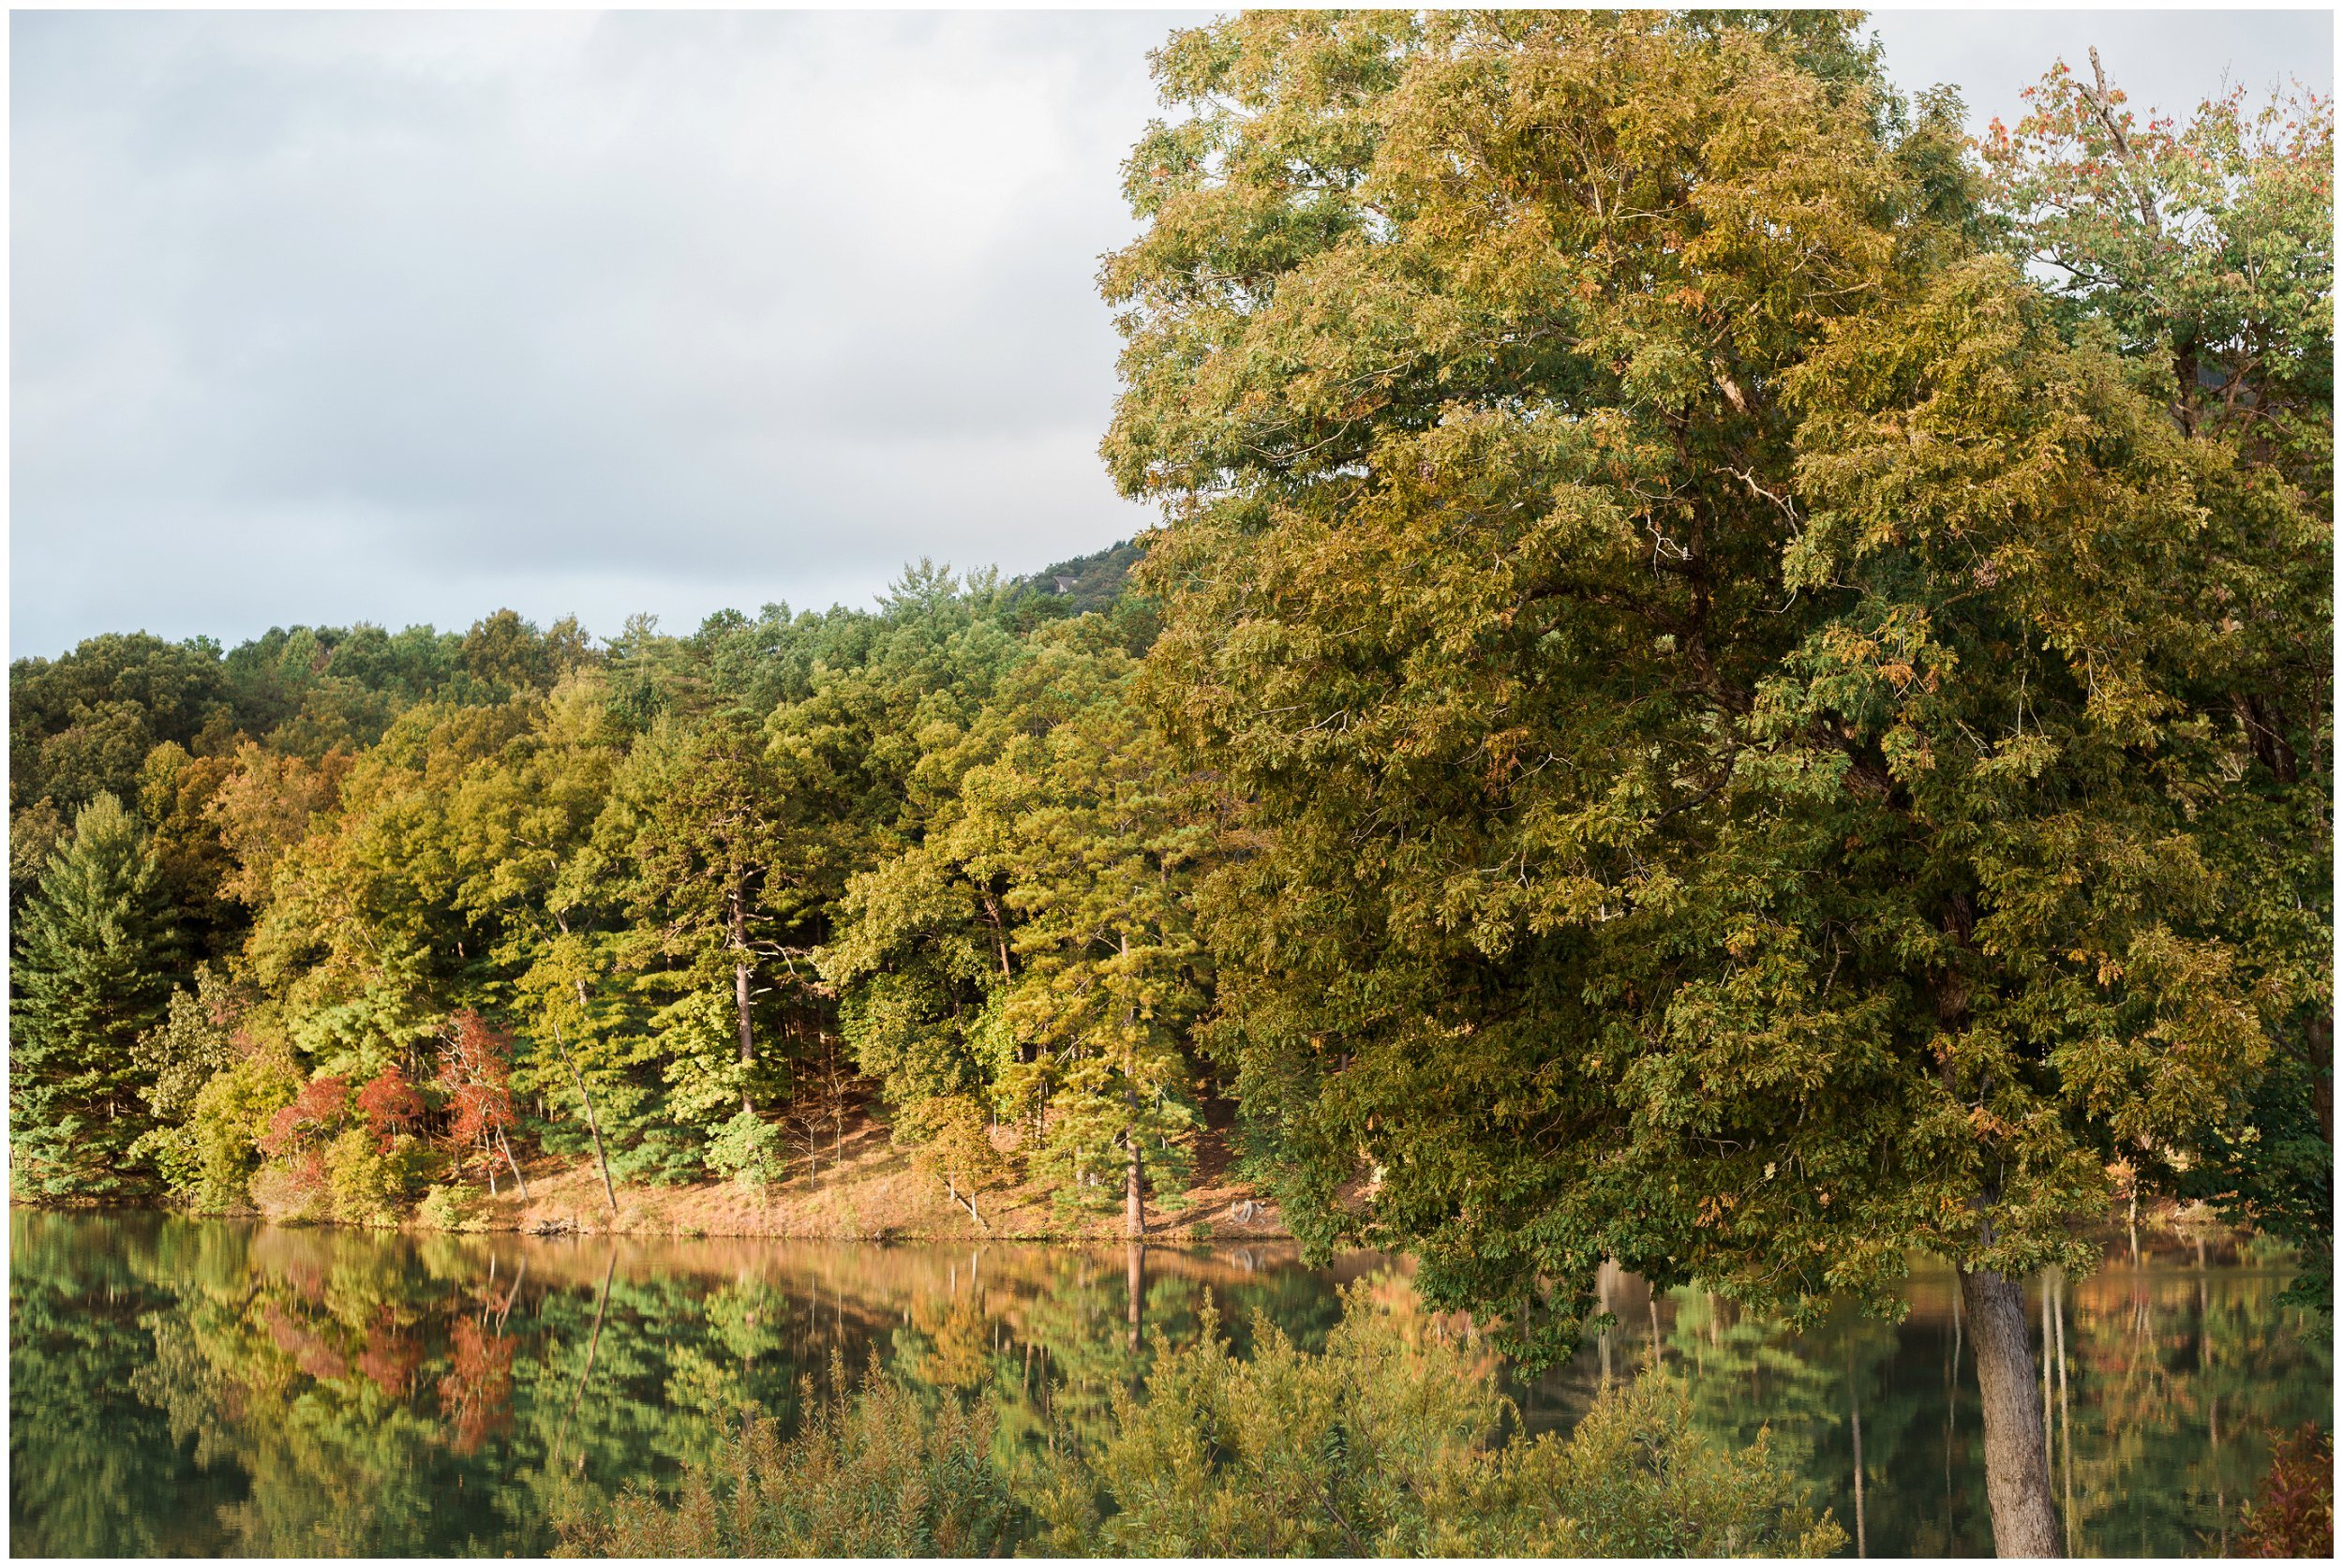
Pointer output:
870, 1192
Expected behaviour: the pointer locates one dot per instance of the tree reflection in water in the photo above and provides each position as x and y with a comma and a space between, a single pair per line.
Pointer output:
202, 1387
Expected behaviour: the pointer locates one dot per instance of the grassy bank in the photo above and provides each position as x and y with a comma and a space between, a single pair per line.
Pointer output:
866, 1188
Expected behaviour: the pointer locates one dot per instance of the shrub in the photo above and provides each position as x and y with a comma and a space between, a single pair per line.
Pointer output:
454, 1206
371, 1180
2292, 1514
749, 1149
1385, 1444
232, 1113
295, 1191
1637, 1480
872, 1475
358, 1171
314, 1112
1361, 1451
176, 1155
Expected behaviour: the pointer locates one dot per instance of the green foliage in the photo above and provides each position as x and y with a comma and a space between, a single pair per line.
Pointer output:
197, 1039
750, 1150
81, 726
372, 1180
1385, 1444
874, 1473
2202, 250
36, 834
1746, 727
1036, 948
449, 1206
2207, 245
231, 1114
1639, 1480
92, 974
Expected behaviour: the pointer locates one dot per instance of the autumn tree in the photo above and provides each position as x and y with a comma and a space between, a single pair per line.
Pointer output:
2203, 249
1035, 948
1730, 695
475, 1072
699, 819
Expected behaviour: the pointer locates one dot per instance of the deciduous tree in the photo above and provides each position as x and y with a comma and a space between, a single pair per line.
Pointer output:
1729, 697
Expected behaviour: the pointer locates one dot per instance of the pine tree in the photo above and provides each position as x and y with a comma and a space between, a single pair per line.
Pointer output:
93, 973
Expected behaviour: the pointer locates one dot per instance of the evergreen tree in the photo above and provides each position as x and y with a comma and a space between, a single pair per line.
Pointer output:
94, 964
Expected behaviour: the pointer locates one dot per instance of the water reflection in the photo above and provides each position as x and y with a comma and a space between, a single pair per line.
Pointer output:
2165, 1381
185, 1387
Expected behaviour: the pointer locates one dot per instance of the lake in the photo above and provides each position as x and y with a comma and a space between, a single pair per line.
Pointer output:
204, 1387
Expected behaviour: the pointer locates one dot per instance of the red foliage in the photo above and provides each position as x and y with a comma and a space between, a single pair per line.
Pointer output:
315, 1110
390, 1358
476, 1070
391, 1105
284, 1131
323, 1100
309, 1350
477, 1395
2294, 1514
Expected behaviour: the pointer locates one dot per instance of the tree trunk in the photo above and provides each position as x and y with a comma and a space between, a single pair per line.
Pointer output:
741, 992
505, 1145
602, 1303
1135, 1283
1134, 1212
593, 1127
1855, 1423
2017, 1464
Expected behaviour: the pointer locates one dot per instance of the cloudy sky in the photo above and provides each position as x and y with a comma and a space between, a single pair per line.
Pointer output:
403, 317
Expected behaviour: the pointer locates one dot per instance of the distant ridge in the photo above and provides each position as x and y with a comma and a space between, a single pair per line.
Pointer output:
1091, 582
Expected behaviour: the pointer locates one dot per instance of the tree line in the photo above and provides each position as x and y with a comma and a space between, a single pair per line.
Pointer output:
1733, 681
326, 931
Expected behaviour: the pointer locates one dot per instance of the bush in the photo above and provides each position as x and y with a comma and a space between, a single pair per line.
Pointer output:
872, 1475
372, 1179
1386, 1444
1635, 1480
296, 1191
359, 1173
455, 1206
2292, 1514
232, 1114
177, 1157
751, 1150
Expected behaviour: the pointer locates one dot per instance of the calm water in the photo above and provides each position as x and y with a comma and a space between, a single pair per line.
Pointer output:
200, 1387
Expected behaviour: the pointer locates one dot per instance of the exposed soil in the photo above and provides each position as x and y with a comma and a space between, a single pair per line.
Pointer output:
872, 1192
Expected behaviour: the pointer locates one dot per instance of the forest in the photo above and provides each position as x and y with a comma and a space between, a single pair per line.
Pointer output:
1734, 682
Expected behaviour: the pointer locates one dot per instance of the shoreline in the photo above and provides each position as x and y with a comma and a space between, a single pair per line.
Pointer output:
874, 1194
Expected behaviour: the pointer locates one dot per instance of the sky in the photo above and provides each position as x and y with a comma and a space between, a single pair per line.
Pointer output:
406, 317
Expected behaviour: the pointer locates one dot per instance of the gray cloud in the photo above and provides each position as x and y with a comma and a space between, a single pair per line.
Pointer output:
2167, 60
405, 315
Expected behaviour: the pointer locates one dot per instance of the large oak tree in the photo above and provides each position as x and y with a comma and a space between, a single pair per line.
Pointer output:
1739, 711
